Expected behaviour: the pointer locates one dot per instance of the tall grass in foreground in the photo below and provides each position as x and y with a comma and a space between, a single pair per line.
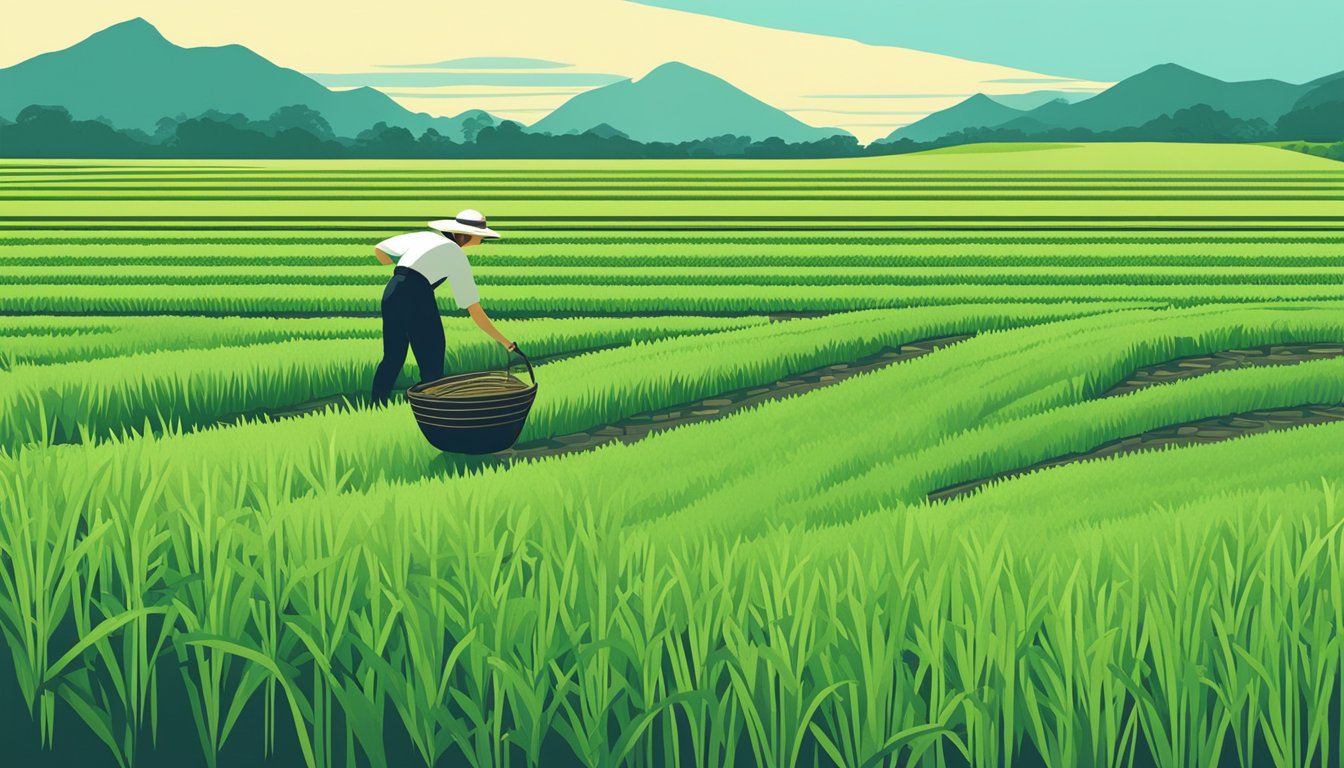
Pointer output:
514, 635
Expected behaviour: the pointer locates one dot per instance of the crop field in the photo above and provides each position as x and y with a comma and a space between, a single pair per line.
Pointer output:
214, 550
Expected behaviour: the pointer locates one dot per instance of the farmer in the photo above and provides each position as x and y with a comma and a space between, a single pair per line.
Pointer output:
410, 315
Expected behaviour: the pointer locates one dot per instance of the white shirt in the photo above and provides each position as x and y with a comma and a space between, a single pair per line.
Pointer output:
438, 259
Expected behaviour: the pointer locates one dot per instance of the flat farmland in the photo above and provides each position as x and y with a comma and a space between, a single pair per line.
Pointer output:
819, 470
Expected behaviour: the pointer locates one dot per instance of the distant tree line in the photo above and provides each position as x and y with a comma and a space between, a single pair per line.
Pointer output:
1333, 151
300, 132
1198, 123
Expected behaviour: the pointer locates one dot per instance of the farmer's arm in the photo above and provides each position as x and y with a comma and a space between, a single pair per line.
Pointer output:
468, 298
483, 322
391, 249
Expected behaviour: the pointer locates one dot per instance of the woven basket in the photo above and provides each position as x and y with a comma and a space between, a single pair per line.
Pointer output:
483, 412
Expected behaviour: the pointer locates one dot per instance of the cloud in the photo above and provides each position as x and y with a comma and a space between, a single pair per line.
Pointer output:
431, 95
393, 79
920, 112
485, 62
888, 95
1028, 80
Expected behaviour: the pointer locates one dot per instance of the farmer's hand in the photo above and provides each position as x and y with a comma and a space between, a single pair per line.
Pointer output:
511, 346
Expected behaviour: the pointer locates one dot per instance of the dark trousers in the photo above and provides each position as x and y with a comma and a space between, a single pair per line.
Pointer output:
410, 317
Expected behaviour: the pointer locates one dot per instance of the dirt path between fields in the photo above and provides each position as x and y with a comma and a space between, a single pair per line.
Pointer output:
1200, 432
641, 425
1250, 357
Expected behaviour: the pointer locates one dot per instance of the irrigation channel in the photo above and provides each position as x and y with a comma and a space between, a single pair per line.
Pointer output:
1203, 431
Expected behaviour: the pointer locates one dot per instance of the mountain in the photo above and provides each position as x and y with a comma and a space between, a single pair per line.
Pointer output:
979, 111
131, 74
1132, 102
675, 102
1165, 88
1329, 89
605, 131
1327, 79
1034, 99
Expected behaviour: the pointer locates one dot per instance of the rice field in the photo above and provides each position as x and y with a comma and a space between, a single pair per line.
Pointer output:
199, 567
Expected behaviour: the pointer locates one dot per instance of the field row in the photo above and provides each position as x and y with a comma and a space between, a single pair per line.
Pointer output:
549, 300
33, 174
45, 339
579, 392
282, 236
840, 185
594, 389
671, 214
659, 194
104, 260
791, 276
197, 387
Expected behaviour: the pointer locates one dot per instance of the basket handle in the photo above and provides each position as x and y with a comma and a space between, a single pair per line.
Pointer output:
508, 368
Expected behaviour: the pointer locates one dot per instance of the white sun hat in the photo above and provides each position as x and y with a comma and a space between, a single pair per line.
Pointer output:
468, 222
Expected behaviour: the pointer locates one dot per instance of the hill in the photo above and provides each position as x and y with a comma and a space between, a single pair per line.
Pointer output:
675, 102
132, 75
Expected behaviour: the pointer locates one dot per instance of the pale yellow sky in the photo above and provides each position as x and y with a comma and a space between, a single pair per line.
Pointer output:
785, 69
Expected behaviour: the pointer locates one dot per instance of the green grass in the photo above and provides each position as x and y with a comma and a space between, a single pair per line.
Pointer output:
551, 300
580, 392
768, 588
681, 276
742, 252
47, 339
189, 388
874, 633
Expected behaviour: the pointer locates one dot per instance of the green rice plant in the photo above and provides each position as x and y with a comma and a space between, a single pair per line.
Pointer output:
715, 252
978, 380
92, 399
1175, 608
890, 450
714, 725
45, 339
830, 275
127, 243
215, 603
938, 583
635, 378
534, 301
941, 654
117, 685
769, 657
1062, 431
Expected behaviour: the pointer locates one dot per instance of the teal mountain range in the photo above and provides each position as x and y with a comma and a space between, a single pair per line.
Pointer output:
132, 75
1160, 90
676, 102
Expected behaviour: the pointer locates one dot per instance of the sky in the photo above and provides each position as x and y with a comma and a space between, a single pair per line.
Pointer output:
1292, 40
520, 59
